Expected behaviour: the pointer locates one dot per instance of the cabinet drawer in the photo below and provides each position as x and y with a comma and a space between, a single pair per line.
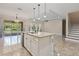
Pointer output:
27, 40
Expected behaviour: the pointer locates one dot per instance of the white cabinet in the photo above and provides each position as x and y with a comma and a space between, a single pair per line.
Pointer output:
39, 45
27, 40
34, 47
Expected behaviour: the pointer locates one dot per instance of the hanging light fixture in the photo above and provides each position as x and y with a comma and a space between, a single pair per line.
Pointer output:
44, 10
34, 14
16, 18
38, 11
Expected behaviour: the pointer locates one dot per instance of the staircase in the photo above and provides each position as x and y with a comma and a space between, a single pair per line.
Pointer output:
74, 33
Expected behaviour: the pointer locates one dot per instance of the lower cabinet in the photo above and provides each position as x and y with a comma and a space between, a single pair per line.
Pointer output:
38, 46
27, 41
34, 47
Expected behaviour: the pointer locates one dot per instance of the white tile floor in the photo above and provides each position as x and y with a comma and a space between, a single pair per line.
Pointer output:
62, 48
15, 50
11, 40
11, 46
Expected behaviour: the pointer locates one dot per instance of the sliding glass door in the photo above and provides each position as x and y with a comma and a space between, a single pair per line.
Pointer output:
12, 33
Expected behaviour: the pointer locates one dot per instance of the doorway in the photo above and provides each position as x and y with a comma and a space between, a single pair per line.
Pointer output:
12, 33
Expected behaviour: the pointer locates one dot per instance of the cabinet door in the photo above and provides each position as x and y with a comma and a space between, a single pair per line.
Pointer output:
28, 42
24, 40
34, 46
44, 46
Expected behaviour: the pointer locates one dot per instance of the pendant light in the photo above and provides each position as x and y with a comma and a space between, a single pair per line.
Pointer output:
34, 14
44, 10
38, 11
16, 18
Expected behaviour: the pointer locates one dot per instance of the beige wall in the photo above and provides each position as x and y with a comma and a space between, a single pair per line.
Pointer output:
74, 17
26, 24
54, 26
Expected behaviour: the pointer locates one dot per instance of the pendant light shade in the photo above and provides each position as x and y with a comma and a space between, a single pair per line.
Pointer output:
38, 11
45, 10
34, 14
16, 18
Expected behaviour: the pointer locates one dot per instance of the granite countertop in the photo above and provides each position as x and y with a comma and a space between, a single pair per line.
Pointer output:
40, 34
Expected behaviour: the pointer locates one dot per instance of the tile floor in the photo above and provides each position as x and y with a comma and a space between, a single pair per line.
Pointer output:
10, 47
67, 47
15, 50
62, 48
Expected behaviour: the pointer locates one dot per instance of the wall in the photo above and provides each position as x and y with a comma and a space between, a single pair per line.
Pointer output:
68, 25
26, 25
53, 26
74, 17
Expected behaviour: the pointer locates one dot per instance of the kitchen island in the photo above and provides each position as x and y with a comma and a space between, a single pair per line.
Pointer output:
38, 44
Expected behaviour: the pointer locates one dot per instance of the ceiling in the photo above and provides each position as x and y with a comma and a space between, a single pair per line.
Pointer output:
10, 9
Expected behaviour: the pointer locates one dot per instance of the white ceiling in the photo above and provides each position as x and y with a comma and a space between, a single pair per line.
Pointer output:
10, 9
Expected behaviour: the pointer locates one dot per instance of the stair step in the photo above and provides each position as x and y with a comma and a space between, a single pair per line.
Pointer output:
73, 38
75, 26
74, 32
72, 35
74, 29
